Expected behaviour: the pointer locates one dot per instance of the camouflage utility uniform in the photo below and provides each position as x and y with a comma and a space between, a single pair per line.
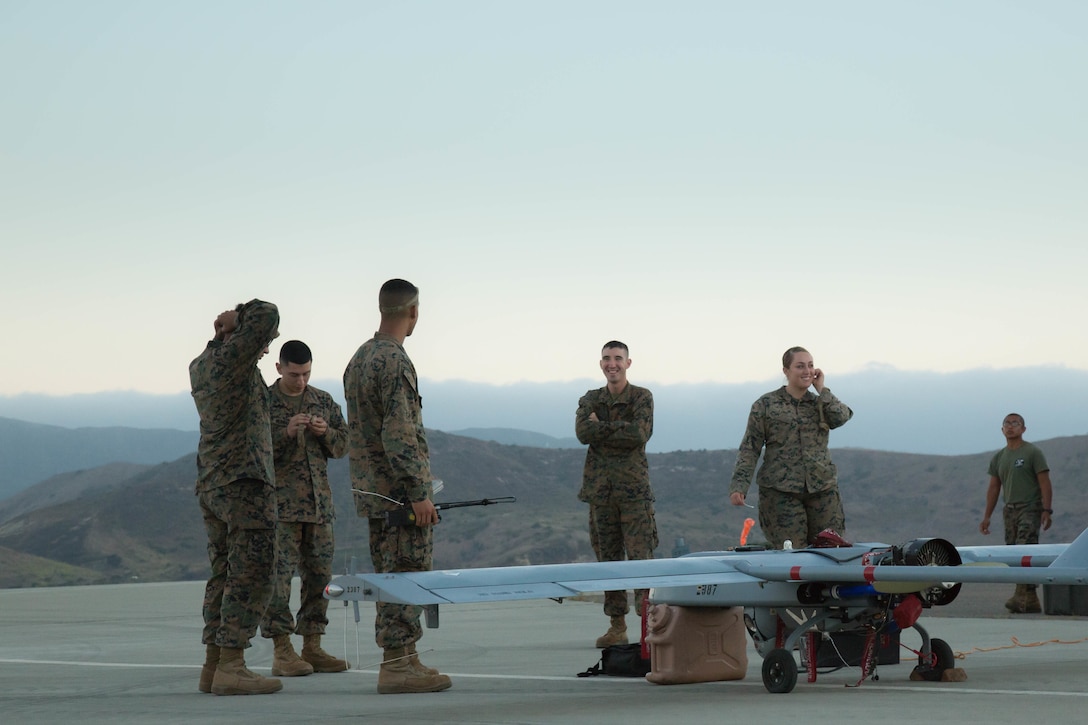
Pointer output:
798, 483
1018, 470
304, 539
388, 455
235, 476
616, 478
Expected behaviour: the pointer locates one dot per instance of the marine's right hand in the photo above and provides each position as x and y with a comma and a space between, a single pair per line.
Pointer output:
225, 323
299, 420
426, 513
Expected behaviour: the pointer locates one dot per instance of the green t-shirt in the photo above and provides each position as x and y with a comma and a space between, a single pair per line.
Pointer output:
1018, 470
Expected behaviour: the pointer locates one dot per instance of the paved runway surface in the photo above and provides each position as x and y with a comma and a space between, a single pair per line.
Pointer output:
132, 654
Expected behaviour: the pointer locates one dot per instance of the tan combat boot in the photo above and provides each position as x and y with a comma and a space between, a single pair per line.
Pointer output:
398, 675
233, 678
321, 660
616, 634
414, 659
1030, 601
1015, 603
285, 662
207, 672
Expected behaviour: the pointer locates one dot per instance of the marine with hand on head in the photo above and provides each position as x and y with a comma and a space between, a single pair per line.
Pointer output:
236, 486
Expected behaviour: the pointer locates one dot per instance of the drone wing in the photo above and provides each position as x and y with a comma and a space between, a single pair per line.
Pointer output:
715, 578
547, 581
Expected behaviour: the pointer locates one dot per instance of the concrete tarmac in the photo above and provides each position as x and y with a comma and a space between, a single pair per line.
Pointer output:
132, 654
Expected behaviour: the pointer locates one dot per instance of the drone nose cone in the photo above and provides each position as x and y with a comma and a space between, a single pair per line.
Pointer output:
334, 590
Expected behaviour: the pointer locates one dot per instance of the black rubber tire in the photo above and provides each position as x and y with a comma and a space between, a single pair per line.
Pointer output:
779, 671
943, 655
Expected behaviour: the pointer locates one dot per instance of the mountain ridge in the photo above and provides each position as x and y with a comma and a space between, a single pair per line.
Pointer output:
147, 526
33, 452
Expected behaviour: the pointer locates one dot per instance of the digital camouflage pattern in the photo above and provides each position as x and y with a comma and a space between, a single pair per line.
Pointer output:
799, 517
388, 455
798, 483
1022, 523
308, 549
616, 478
304, 537
387, 449
616, 463
241, 523
235, 476
232, 401
399, 548
301, 462
618, 531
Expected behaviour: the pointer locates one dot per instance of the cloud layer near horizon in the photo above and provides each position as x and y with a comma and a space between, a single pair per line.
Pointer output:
913, 412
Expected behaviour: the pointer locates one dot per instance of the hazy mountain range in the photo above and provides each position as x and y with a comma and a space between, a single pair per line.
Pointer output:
129, 521
31, 452
894, 410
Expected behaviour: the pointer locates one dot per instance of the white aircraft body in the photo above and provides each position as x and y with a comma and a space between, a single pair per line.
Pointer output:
790, 597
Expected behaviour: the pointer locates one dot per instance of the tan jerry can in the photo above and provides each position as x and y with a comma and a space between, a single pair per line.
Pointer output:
696, 644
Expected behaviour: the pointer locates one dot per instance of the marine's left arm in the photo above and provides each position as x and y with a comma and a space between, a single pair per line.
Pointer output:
335, 441
403, 437
637, 424
1047, 492
258, 322
836, 412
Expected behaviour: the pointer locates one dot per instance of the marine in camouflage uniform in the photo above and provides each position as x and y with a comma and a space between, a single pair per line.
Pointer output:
307, 430
389, 457
798, 483
615, 422
236, 490
1020, 474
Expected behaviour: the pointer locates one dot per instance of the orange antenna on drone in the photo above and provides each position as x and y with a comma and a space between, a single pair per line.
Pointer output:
748, 524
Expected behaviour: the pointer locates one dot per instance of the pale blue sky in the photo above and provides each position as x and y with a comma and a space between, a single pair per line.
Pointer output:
711, 182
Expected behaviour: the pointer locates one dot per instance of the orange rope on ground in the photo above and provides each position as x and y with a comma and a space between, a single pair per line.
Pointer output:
1015, 644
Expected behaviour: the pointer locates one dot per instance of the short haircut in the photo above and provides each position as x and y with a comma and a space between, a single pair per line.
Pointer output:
787, 356
1017, 415
616, 343
396, 296
296, 352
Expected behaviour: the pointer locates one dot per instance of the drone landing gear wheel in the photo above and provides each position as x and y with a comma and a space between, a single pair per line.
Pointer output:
779, 671
941, 658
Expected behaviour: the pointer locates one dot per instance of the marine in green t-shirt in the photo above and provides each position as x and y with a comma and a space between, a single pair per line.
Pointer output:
1020, 474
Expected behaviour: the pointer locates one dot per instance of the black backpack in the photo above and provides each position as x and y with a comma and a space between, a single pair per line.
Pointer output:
620, 660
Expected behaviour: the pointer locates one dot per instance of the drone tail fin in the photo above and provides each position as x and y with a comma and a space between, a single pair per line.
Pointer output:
1075, 556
